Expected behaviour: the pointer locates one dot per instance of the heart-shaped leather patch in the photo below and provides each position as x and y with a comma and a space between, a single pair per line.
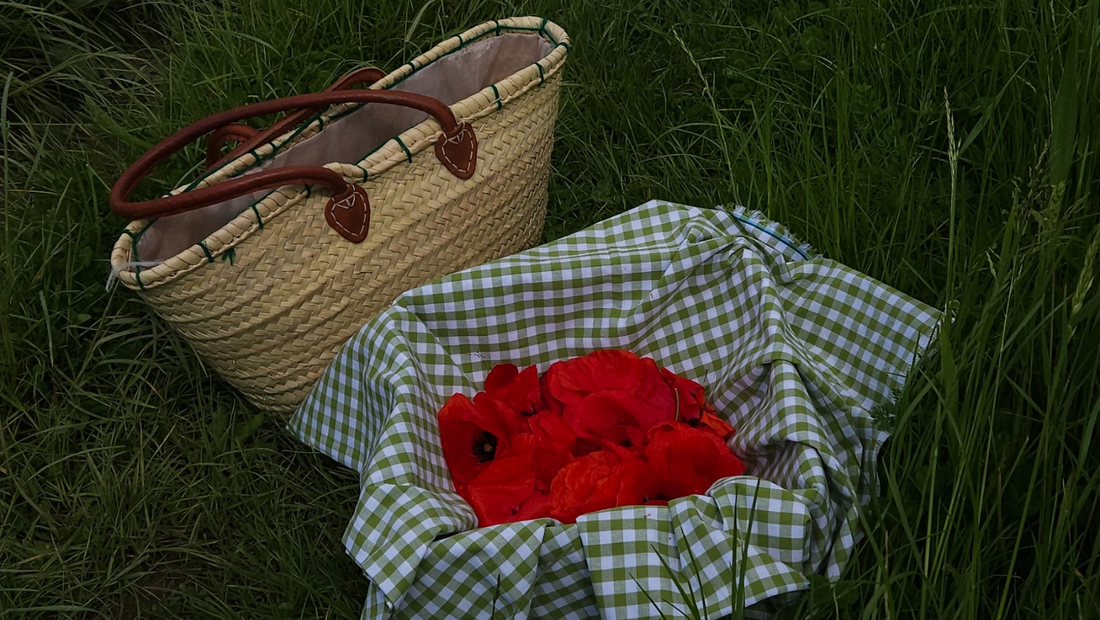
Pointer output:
350, 216
458, 151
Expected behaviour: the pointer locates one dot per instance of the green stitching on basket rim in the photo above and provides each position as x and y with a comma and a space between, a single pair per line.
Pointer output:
497, 29
408, 153
137, 237
259, 219
497, 93
205, 250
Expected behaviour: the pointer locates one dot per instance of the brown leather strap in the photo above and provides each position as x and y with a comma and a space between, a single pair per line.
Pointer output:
250, 138
229, 133
456, 149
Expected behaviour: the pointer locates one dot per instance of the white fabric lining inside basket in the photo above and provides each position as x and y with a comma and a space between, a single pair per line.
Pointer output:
352, 137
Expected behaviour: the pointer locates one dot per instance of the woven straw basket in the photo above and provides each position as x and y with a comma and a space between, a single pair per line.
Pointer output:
267, 283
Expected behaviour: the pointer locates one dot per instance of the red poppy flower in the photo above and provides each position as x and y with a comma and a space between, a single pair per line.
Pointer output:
609, 369
551, 427
518, 390
608, 419
510, 418
507, 491
710, 422
658, 489
691, 397
689, 456
658, 397
576, 439
549, 402
544, 457
595, 482
472, 433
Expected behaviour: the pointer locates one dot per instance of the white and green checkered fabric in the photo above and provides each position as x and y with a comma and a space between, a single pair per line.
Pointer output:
794, 350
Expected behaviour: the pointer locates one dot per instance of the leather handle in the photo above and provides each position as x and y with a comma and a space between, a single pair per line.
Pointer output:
249, 138
456, 149
229, 133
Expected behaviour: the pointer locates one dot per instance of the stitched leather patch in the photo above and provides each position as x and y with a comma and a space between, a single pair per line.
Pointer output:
350, 216
458, 151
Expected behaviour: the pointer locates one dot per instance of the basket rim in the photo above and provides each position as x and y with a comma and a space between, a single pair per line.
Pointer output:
126, 265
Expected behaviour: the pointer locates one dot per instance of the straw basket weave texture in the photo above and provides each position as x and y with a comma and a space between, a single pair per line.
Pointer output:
269, 298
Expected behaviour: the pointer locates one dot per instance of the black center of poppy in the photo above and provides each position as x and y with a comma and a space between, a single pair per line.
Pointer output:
485, 447
627, 443
693, 422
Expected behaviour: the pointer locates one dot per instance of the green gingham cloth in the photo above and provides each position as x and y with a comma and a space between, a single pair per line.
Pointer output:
793, 349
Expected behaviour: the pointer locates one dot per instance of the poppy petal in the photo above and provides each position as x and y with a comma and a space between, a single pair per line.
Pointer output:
472, 433
464, 433
550, 403
690, 395
690, 457
711, 422
517, 390
545, 458
659, 488
594, 482
604, 369
500, 377
506, 419
608, 418
501, 493
656, 400
552, 427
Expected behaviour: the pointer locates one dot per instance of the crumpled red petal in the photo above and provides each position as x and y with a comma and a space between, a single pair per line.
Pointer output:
551, 427
507, 491
545, 458
656, 399
608, 419
504, 415
691, 396
500, 377
517, 390
605, 369
657, 488
595, 482
711, 422
550, 403
690, 457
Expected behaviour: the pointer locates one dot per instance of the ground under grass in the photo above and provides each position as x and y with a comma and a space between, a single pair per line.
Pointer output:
948, 150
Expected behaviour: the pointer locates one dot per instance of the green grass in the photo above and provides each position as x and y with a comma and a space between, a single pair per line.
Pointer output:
948, 150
